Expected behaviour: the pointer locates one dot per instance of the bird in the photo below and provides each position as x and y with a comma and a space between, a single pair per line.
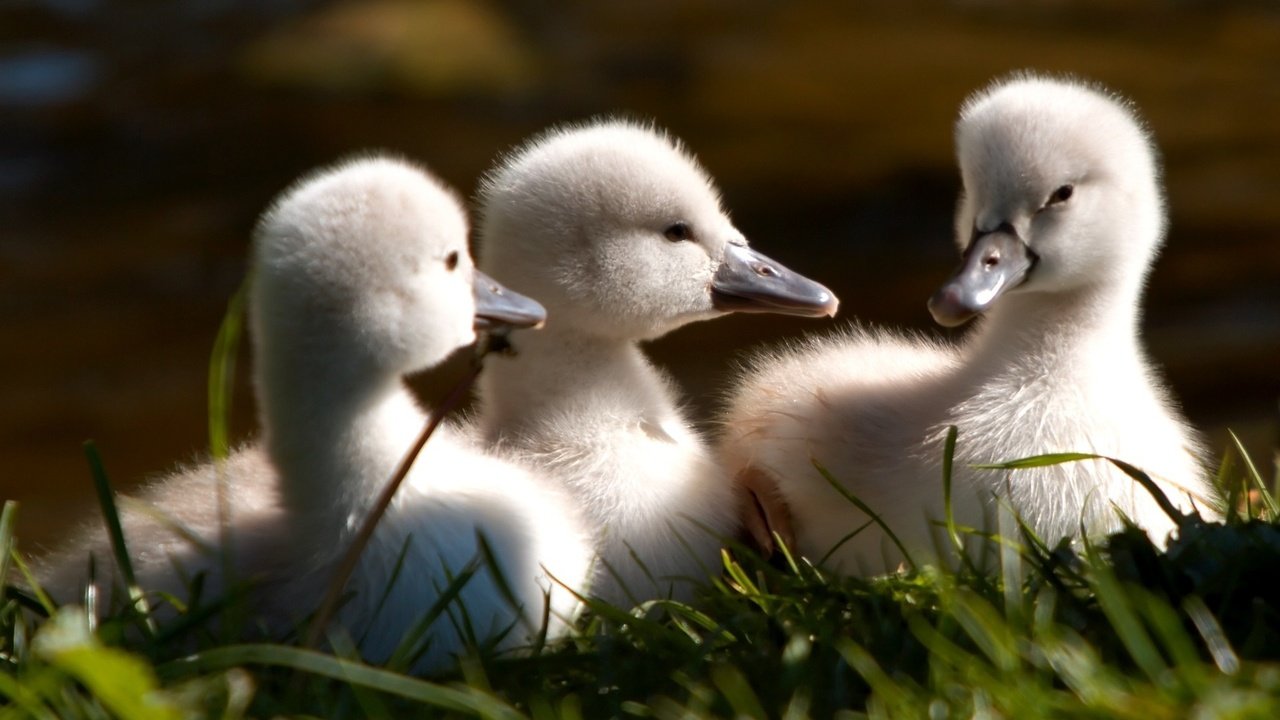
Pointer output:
1060, 216
361, 275
618, 230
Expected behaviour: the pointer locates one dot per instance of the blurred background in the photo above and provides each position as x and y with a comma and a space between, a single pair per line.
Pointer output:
138, 141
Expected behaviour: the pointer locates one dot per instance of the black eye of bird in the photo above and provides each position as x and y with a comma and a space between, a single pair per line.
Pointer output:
1061, 195
678, 232
451, 261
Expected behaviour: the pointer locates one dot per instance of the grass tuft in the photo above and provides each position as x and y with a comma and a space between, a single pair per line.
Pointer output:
1119, 628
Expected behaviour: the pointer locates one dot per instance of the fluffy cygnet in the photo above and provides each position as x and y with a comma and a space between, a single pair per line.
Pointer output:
361, 275
1060, 218
620, 234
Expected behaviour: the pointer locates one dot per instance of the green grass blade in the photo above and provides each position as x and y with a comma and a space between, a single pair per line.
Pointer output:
742, 582
111, 516
1167, 625
1232, 490
1133, 472
1224, 656
499, 578
8, 519
1011, 565
123, 683
464, 700
987, 629
20, 701
416, 642
1081, 670
1156, 493
953, 532
368, 701
396, 569
893, 537
687, 615
1118, 607
839, 543
881, 683
787, 554
1036, 461
948, 460
42, 598
1251, 472
737, 690
222, 369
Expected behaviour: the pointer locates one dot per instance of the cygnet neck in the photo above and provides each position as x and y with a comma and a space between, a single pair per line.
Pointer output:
335, 434
556, 368
1063, 333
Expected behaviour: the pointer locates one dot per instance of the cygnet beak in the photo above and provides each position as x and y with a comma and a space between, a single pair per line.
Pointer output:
498, 308
747, 281
994, 263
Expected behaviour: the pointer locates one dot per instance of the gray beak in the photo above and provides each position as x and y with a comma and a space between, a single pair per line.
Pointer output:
498, 308
994, 263
747, 281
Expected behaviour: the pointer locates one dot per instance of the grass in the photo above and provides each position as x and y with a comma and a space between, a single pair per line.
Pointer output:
1119, 629
1116, 629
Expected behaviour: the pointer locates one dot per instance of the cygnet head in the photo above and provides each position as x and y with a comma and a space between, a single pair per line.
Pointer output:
1060, 194
362, 269
620, 233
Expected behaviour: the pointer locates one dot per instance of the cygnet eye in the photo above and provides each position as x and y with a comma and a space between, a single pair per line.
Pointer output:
678, 232
1060, 195
451, 261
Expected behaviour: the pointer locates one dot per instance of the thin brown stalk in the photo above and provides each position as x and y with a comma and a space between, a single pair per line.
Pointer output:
330, 603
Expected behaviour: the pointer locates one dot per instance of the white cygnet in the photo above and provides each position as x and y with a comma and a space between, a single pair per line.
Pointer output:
1059, 220
361, 275
620, 233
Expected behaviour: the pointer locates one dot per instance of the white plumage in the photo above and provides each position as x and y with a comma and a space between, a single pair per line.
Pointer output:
361, 275
1060, 218
621, 235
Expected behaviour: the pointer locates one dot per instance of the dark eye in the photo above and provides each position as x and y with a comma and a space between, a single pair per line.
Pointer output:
1061, 195
451, 261
678, 232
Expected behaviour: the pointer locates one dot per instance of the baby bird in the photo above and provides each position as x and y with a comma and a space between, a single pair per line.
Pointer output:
1059, 220
361, 276
620, 233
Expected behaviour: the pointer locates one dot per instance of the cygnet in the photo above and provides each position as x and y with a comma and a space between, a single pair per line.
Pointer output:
620, 233
361, 275
1059, 219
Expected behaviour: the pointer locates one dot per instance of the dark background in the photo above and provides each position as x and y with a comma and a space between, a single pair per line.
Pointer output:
138, 140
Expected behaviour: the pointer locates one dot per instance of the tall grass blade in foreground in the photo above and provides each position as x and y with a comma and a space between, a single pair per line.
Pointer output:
222, 372
463, 699
111, 516
125, 684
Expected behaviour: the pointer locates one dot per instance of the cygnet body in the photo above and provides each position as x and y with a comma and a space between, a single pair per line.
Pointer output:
1060, 218
621, 235
361, 275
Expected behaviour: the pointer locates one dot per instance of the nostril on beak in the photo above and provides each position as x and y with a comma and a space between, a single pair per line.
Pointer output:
766, 270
